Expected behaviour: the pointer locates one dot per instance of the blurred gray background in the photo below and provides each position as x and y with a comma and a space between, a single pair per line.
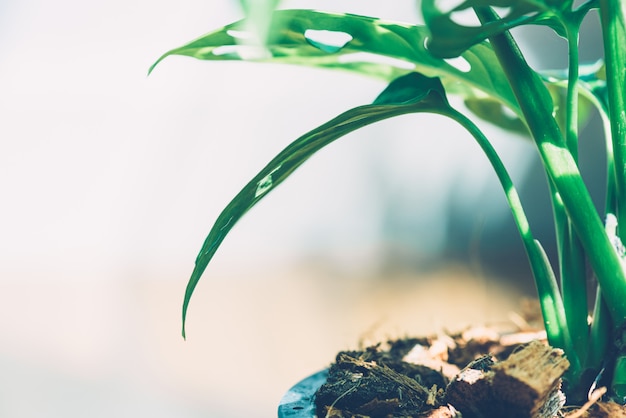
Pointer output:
110, 181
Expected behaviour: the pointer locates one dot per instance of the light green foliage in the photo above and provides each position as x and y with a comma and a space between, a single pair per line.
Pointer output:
466, 50
377, 48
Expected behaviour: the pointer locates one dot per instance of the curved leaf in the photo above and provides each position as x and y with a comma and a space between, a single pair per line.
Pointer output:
375, 48
411, 93
451, 34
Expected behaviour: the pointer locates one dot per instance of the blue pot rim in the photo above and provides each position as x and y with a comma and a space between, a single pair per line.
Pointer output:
298, 401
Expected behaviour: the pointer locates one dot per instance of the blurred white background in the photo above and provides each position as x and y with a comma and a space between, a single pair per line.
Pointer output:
110, 180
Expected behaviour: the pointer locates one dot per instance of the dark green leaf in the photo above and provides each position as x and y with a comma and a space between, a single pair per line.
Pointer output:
411, 93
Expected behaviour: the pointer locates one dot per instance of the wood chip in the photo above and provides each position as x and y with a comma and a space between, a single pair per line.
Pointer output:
527, 384
531, 378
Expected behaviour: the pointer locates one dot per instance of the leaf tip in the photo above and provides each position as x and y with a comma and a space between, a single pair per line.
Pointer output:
161, 58
183, 332
152, 67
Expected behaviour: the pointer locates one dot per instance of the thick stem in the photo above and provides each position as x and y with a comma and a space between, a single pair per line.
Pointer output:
574, 290
536, 105
573, 278
613, 19
600, 333
571, 253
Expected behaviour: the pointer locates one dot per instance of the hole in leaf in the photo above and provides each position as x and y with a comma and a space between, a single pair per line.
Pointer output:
460, 64
244, 52
507, 112
465, 17
239, 34
225, 50
502, 11
327, 40
446, 6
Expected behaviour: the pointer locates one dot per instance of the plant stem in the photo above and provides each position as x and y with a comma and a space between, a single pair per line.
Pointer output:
600, 333
572, 271
550, 299
536, 105
572, 91
571, 253
613, 19
574, 290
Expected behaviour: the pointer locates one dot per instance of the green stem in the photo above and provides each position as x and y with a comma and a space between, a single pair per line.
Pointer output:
574, 290
600, 333
573, 276
571, 254
601, 328
536, 105
573, 279
613, 19
550, 299
572, 91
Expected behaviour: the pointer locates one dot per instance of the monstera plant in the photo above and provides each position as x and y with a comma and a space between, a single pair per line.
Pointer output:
466, 49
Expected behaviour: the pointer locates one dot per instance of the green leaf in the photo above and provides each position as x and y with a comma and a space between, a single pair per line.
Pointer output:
592, 93
375, 48
452, 32
411, 93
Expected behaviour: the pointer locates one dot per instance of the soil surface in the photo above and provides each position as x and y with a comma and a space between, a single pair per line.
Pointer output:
478, 373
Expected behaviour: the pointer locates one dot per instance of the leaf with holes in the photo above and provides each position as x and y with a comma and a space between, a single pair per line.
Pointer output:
360, 44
